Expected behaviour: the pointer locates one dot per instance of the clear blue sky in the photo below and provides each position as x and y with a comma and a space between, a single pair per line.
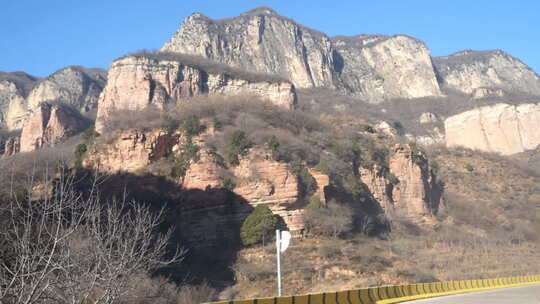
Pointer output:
41, 36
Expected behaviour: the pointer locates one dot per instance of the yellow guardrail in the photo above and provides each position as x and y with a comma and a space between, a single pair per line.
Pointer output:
395, 293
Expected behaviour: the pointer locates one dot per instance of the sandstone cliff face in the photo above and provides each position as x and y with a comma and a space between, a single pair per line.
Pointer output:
379, 68
130, 151
414, 192
262, 41
259, 180
141, 80
467, 71
500, 128
50, 125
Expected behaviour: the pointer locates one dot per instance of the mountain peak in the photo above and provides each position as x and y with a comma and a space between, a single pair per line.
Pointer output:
261, 10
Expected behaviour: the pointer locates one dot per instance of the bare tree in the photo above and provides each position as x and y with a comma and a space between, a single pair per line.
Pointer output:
70, 248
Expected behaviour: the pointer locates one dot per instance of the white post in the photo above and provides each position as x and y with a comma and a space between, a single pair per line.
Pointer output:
278, 253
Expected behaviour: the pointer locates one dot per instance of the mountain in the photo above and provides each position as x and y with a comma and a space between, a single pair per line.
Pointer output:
21, 94
374, 68
469, 71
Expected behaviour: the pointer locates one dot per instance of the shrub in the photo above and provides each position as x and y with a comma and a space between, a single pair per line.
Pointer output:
315, 202
332, 220
306, 182
191, 126
189, 153
357, 188
238, 145
273, 145
228, 183
90, 134
398, 126
323, 167
258, 226
469, 167
392, 178
417, 154
80, 151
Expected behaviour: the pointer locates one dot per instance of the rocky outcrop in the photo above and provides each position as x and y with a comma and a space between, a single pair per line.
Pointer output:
467, 71
140, 80
21, 94
378, 68
500, 128
257, 179
260, 40
407, 187
51, 124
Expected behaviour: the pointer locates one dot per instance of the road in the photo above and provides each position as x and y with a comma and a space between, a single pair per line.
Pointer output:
515, 295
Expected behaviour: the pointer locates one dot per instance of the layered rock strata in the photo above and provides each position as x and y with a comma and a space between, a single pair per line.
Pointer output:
500, 128
138, 81
258, 179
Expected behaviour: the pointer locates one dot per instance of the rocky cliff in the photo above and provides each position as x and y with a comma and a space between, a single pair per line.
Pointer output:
260, 40
258, 179
50, 125
378, 68
407, 187
500, 128
14, 87
372, 67
486, 72
21, 96
144, 79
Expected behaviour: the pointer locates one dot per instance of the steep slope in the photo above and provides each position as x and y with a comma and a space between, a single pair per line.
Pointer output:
378, 68
157, 79
374, 68
501, 128
475, 72
14, 87
262, 41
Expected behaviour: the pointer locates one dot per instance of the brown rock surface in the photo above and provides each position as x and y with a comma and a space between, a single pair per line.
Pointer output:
129, 151
414, 192
137, 81
259, 179
50, 125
